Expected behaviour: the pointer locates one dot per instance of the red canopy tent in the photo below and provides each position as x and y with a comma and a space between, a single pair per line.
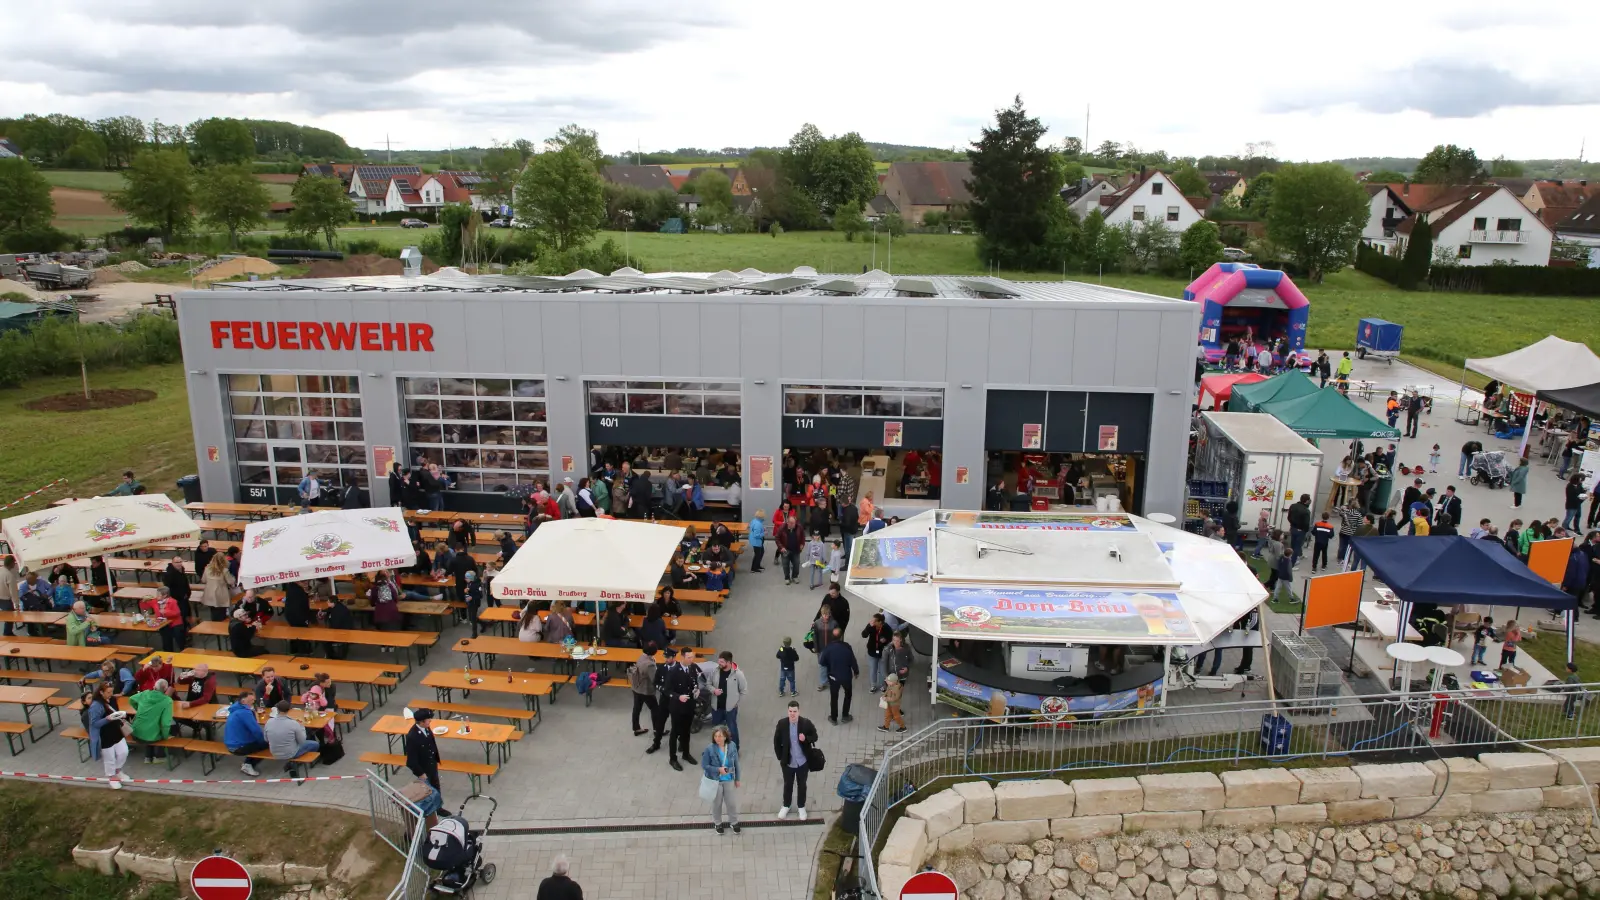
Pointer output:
1220, 386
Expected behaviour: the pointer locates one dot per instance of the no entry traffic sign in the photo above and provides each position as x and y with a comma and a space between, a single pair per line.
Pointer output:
220, 878
929, 886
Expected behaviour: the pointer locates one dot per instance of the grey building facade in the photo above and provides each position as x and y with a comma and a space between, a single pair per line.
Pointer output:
510, 379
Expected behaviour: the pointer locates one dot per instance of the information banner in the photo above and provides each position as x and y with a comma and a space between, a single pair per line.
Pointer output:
761, 473
961, 475
893, 433
1075, 615
1032, 436
1006, 521
1108, 438
382, 459
894, 560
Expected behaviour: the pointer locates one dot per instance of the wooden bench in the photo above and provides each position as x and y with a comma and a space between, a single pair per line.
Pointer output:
82, 737
31, 675
15, 733
359, 707
394, 762
482, 712
212, 751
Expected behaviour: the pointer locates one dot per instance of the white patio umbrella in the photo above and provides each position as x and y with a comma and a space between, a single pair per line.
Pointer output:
614, 560
324, 544
98, 526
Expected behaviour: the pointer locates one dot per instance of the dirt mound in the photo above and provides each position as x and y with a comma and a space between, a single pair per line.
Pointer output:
277, 177
242, 265
76, 402
362, 265
130, 266
108, 275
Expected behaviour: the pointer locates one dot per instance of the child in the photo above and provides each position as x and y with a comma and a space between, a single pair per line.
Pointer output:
787, 658
716, 579
1284, 575
891, 703
814, 558
489, 572
1433, 460
836, 560
1321, 533
1263, 530
1508, 644
474, 598
1481, 639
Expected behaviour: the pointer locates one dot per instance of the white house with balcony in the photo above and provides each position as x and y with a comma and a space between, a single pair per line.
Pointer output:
1150, 197
1479, 225
1385, 212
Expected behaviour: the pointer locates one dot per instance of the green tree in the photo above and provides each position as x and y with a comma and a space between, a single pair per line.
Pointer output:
582, 141
158, 191
1154, 244
88, 151
124, 136
1258, 194
560, 197
222, 142
1418, 255
1387, 176
848, 220
320, 207
830, 172
1091, 231
500, 166
715, 191
893, 224
1014, 183
1449, 164
525, 149
1190, 181
25, 203
1500, 167
231, 198
1317, 215
1200, 246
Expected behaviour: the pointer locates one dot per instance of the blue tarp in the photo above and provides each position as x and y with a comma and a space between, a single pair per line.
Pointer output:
1452, 570
1379, 335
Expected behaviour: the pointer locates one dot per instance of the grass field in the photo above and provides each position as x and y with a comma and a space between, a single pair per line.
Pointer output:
91, 450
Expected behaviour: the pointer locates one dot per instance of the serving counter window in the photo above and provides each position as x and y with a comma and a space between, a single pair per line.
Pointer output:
488, 433
285, 425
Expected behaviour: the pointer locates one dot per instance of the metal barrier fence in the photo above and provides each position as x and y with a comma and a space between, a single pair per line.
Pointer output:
1389, 727
399, 822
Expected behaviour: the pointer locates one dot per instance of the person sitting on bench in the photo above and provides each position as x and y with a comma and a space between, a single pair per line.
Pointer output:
242, 735
286, 738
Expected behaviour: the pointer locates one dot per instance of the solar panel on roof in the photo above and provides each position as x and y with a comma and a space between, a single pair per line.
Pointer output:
921, 287
776, 285
840, 286
986, 288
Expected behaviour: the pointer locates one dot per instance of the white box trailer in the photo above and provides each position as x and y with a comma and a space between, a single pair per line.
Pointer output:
1264, 463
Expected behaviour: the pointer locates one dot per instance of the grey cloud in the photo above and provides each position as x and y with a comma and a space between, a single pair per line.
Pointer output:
1446, 90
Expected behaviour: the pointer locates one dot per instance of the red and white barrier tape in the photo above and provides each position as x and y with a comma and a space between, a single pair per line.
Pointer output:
102, 778
33, 493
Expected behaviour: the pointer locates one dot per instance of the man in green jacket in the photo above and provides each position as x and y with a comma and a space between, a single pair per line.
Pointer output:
80, 628
152, 718
127, 488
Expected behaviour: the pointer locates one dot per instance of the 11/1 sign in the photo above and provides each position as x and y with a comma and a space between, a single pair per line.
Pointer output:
805, 423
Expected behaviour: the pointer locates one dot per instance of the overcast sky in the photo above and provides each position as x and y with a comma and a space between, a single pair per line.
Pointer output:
1518, 79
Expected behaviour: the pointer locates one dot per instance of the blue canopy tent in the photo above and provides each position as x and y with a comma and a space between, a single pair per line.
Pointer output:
1452, 570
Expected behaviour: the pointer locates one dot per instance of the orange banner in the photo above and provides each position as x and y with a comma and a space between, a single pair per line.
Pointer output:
1333, 599
1548, 559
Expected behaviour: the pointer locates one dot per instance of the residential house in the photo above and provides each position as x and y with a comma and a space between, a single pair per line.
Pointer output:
1083, 196
341, 171
650, 178
1416, 195
1224, 185
1151, 197
413, 193
369, 186
1582, 226
1518, 186
1385, 212
878, 207
465, 187
1554, 201
1480, 224
918, 188
735, 176
9, 149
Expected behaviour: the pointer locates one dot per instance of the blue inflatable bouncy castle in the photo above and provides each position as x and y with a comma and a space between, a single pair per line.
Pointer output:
1247, 302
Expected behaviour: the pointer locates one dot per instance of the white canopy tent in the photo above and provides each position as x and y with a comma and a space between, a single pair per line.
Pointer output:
1548, 365
324, 544
98, 526
602, 560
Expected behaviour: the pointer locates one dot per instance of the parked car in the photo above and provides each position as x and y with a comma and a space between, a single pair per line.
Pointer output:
501, 222
413, 223
1234, 254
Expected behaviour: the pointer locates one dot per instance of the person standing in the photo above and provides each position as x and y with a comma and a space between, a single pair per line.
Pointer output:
1517, 481
1350, 519
218, 586
878, 638
1321, 533
792, 741
1413, 405
719, 763
1324, 367
756, 538
1449, 509
109, 744
10, 598
641, 678
559, 886
1345, 367
1575, 495
1509, 639
838, 659
814, 559
659, 712
128, 487
729, 689
787, 659
683, 689
891, 703
297, 613
422, 752
821, 636
1299, 526
790, 542
1468, 450
176, 580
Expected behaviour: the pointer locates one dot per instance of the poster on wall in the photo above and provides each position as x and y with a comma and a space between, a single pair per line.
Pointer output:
1108, 439
761, 473
566, 464
892, 433
1032, 436
1075, 615
896, 560
382, 459
213, 454
961, 693
1054, 521
961, 474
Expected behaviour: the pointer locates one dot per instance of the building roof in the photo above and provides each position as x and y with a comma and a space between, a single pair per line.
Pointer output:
1222, 182
375, 179
1518, 186
729, 172
934, 183
8, 148
651, 178
1583, 220
1465, 197
1113, 200
747, 286
881, 205
459, 186
1563, 199
1380, 188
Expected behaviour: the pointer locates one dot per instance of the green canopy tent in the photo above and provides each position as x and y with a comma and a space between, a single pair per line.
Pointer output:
1288, 386
1327, 414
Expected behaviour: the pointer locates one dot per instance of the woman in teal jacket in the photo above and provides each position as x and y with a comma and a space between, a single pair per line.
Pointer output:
719, 763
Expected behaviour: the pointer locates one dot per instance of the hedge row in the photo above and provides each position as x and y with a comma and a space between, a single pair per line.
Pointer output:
1539, 281
52, 346
1375, 263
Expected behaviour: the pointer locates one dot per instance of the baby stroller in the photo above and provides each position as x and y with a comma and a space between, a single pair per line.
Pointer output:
1489, 467
455, 851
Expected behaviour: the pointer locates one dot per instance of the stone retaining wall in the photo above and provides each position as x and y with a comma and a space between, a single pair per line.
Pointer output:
972, 819
113, 860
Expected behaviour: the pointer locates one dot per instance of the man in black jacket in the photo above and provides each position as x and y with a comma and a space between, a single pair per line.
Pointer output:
1299, 525
793, 740
177, 582
422, 751
658, 710
683, 688
1448, 508
297, 612
641, 492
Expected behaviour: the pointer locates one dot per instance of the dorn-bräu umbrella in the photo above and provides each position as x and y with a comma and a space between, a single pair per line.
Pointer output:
98, 526
325, 544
